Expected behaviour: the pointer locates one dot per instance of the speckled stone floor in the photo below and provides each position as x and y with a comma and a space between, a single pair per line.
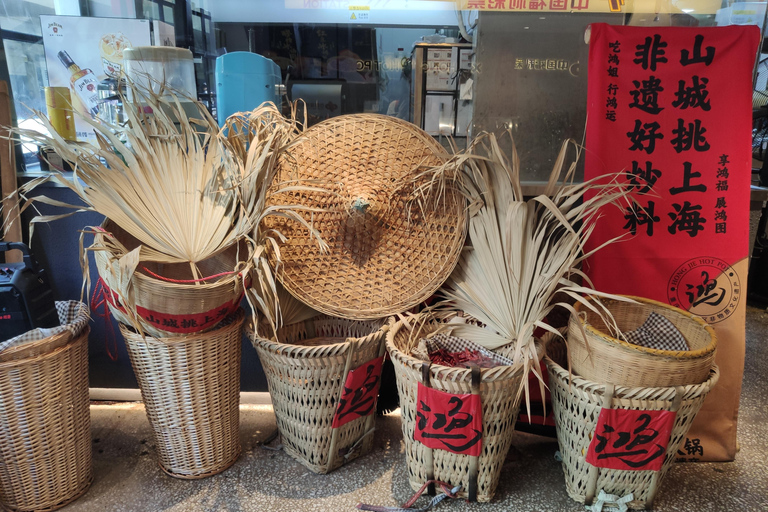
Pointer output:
127, 477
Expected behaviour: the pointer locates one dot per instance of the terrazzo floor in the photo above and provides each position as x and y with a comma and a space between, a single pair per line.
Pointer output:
128, 478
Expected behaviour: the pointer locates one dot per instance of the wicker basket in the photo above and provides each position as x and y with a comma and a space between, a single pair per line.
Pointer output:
306, 374
500, 405
45, 428
191, 390
606, 359
168, 308
577, 404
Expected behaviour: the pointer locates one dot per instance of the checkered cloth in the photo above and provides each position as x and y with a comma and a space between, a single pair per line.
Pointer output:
659, 333
73, 317
453, 344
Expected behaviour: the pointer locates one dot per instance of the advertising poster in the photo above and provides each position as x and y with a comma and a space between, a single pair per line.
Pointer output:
83, 53
669, 110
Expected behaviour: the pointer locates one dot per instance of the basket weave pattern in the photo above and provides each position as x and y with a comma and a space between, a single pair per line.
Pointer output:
501, 404
190, 386
384, 256
577, 404
305, 376
45, 428
606, 359
168, 297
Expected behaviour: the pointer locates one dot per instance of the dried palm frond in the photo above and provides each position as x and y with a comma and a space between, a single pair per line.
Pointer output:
179, 185
524, 254
166, 179
249, 137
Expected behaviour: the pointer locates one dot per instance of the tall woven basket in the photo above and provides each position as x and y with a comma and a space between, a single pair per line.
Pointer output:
45, 426
500, 406
577, 404
306, 373
191, 390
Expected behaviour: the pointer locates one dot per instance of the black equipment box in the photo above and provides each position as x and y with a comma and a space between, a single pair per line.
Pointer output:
26, 299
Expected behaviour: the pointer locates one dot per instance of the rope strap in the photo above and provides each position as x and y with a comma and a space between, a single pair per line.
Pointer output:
449, 493
610, 500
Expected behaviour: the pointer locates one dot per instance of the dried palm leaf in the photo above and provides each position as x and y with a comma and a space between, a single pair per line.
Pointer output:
524, 254
181, 187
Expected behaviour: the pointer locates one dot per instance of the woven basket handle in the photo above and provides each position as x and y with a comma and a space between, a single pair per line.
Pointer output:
353, 344
474, 461
677, 401
428, 460
594, 471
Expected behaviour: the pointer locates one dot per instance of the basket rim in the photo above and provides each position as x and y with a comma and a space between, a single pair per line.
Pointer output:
314, 351
675, 354
453, 373
635, 392
141, 276
237, 320
53, 353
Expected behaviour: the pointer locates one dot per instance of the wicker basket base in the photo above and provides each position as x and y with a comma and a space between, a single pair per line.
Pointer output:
191, 390
45, 429
577, 404
306, 374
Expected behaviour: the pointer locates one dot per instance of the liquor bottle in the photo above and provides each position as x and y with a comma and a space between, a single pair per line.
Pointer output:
83, 82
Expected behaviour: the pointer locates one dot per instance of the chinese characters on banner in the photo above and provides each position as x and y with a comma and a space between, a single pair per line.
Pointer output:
358, 396
631, 440
669, 109
449, 422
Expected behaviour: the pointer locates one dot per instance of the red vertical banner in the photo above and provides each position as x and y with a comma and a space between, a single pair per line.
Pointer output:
669, 110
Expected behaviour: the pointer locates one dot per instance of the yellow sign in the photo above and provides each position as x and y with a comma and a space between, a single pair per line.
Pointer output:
594, 6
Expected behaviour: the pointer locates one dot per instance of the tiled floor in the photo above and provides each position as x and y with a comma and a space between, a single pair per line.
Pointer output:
127, 477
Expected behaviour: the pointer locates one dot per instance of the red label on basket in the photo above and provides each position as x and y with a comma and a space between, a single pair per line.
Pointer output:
358, 397
183, 323
631, 440
449, 422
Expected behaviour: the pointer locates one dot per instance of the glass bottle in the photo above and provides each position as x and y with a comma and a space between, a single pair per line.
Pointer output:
83, 82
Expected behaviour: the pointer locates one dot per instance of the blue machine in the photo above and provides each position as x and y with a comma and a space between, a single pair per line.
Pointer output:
245, 80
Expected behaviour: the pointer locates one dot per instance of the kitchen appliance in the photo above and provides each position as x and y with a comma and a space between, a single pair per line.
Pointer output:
245, 80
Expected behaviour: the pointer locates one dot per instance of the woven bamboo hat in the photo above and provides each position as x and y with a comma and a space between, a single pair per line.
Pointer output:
386, 254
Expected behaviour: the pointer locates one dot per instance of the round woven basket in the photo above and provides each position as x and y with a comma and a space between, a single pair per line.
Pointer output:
386, 252
168, 306
306, 374
603, 358
500, 401
190, 386
45, 428
577, 404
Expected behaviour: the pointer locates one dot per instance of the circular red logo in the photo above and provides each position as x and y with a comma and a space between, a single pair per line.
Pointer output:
55, 30
90, 87
705, 286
